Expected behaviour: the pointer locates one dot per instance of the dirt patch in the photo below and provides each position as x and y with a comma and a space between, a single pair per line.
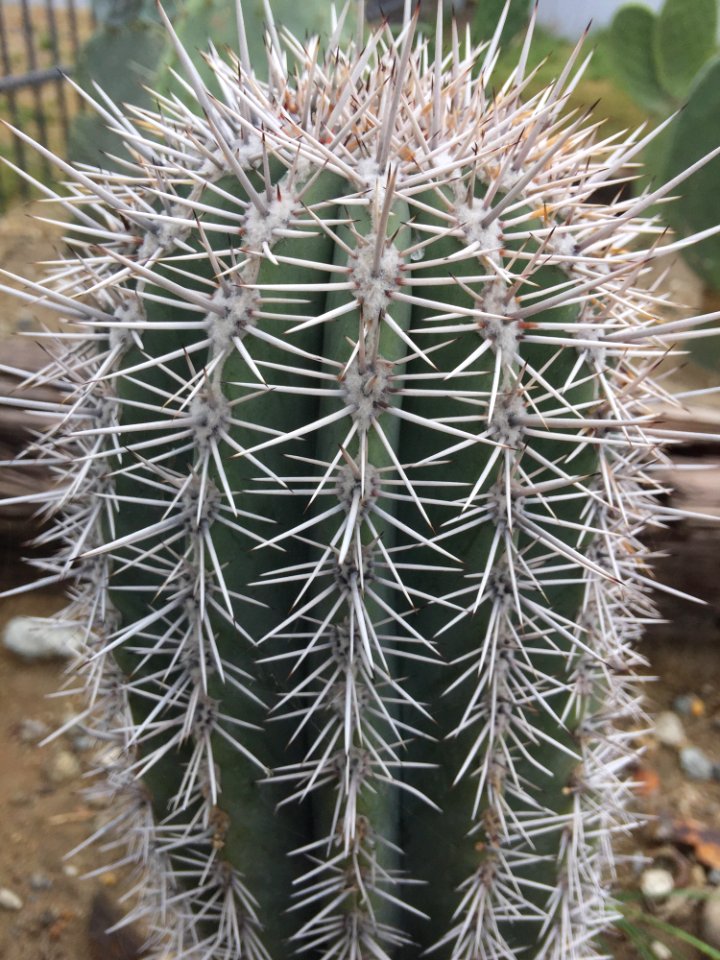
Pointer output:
25, 243
42, 818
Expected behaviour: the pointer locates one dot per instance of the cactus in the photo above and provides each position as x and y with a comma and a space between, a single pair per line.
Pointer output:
631, 47
659, 55
199, 19
667, 61
694, 128
684, 40
130, 55
122, 53
357, 448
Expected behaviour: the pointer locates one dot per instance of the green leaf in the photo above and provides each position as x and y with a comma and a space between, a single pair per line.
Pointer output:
696, 132
637, 937
684, 41
630, 41
703, 948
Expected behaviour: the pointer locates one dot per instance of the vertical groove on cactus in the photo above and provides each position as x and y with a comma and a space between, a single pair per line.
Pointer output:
357, 450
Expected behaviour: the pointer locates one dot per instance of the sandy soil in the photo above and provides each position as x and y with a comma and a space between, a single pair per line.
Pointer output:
42, 819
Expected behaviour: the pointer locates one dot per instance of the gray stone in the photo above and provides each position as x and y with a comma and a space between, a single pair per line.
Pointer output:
64, 766
40, 881
696, 764
684, 704
32, 731
710, 920
669, 729
41, 638
656, 883
660, 950
9, 900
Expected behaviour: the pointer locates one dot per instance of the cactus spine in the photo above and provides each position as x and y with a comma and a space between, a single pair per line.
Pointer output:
358, 445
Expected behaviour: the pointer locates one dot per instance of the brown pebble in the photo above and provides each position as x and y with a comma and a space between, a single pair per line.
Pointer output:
64, 766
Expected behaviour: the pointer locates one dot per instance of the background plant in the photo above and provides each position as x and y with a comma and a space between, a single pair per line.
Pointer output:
669, 61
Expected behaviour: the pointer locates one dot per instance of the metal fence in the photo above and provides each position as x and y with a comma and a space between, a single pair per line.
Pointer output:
39, 44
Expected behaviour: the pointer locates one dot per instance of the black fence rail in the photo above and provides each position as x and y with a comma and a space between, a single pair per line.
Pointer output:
39, 45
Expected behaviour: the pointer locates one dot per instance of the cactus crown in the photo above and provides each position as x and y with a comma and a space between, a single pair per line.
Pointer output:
357, 447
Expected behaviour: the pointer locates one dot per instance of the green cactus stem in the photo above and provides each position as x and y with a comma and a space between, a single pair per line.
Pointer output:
357, 450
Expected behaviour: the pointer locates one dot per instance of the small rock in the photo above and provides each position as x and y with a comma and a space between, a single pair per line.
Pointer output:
669, 729
83, 742
638, 861
9, 900
696, 764
48, 917
660, 950
656, 883
689, 705
713, 877
64, 766
41, 638
710, 920
31, 730
40, 881
677, 909
70, 870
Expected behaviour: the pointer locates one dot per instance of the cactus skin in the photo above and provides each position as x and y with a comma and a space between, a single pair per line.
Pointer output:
358, 449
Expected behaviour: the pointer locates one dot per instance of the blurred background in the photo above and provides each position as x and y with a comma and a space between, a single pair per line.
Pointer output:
650, 61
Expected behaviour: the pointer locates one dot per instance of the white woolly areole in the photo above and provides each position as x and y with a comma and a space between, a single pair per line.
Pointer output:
563, 245
367, 391
503, 332
239, 306
373, 287
488, 238
210, 412
506, 423
260, 227
167, 234
349, 484
129, 311
368, 170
